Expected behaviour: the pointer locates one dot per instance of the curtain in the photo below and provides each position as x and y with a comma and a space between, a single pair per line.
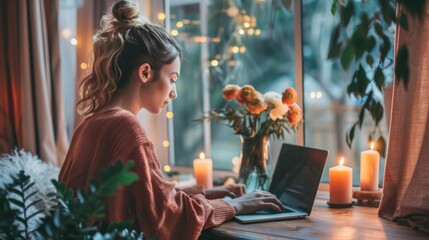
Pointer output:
406, 182
31, 107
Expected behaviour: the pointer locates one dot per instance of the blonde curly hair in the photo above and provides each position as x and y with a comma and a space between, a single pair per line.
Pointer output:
123, 43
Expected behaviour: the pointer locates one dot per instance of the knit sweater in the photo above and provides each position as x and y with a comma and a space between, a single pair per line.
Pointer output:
152, 202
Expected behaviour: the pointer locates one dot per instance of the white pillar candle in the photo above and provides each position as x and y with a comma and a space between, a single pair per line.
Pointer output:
203, 171
369, 168
340, 184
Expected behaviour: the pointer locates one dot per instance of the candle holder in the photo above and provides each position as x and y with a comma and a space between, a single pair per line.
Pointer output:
341, 205
368, 198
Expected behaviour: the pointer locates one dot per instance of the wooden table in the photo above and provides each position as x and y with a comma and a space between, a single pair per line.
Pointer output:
358, 222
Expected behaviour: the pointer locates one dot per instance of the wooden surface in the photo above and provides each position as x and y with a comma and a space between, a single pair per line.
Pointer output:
358, 222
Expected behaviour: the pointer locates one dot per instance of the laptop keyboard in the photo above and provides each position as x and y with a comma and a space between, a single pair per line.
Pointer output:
271, 211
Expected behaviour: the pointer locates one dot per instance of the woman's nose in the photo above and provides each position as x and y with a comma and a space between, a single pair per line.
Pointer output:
173, 93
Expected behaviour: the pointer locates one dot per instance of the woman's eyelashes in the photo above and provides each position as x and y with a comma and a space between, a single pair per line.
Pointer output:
173, 80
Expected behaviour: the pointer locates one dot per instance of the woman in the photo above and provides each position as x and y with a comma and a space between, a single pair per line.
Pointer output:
136, 65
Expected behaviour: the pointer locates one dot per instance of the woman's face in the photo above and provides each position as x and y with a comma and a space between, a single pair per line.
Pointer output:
159, 92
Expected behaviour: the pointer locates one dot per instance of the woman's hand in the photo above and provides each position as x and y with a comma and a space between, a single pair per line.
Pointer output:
255, 201
231, 190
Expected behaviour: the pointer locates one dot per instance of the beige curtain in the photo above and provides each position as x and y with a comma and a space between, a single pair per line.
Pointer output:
31, 107
406, 180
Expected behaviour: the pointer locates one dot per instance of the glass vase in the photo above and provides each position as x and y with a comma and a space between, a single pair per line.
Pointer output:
255, 169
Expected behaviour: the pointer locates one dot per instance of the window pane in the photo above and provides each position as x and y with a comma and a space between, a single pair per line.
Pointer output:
188, 136
249, 42
329, 111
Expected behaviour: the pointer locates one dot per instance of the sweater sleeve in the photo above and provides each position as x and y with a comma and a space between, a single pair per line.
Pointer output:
165, 213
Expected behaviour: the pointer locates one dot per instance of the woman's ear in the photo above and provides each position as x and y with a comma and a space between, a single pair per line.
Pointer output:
144, 73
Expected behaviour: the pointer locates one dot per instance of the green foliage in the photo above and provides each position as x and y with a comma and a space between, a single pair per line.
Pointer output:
74, 214
21, 187
368, 47
8, 227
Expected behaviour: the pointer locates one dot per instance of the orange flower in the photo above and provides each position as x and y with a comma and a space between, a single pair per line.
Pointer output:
230, 91
294, 114
247, 94
289, 96
257, 105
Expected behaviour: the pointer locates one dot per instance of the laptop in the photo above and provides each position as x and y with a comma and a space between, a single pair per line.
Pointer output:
295, 182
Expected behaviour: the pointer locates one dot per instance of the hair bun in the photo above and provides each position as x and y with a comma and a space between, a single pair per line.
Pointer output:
124, 11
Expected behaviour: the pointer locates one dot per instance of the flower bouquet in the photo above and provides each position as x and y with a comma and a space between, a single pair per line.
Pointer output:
255, 117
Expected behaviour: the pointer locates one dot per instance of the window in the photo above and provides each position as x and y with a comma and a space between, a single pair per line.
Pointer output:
329, 111
264, 58
239, 43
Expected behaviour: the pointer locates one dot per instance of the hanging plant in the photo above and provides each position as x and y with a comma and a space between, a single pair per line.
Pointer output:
367, 49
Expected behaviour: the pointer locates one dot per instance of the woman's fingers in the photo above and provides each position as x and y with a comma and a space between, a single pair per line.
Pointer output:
229, 194
238, 189
272, 206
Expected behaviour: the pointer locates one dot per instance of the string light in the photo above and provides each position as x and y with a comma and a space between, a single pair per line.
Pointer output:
174, 32
258, 32
242, 49
169, 114
214, 63
319, 94
73, 41
179, 24
83, 66
216, 40
235, 49
250, 31
165, 143
241, 31
167, 168
161, 16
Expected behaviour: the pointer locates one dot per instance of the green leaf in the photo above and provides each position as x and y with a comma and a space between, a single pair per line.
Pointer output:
17, 203
370, 43
379, 78
334, 51
378, 29
377, 111
347, 56
361, 117
347, 13
30, 195
352, 88
33, 204
334, 7
350, 135
369, 60
362, 80
16, 191
34, 214
385, 47
403, 21
29, 186
20, 219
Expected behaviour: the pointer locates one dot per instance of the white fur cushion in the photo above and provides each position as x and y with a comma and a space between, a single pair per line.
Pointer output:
40, 172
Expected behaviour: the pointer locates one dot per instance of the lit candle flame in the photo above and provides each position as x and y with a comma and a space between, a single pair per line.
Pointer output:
342, 161
202, 155
372, 145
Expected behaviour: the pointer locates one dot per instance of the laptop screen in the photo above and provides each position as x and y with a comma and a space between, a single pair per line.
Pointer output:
297, 176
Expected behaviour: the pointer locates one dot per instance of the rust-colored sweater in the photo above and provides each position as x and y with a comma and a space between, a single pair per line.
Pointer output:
152, 202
